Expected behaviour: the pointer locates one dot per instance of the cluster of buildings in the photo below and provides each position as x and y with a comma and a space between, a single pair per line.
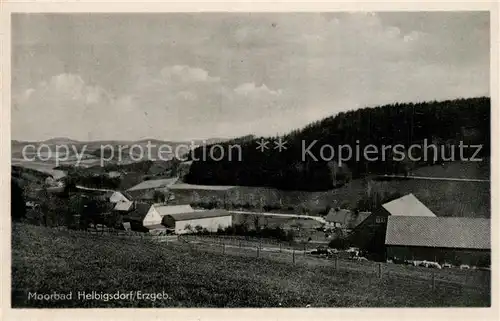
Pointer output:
405, 229
142, 211
402, 229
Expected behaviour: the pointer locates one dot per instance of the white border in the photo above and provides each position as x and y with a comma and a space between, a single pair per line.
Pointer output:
239, 314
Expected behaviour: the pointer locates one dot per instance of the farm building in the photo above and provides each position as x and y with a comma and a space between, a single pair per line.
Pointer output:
187, 222
158, 211
456, 240
118, 196
178, 218
345, 219
370, 234
146, 215
124, 206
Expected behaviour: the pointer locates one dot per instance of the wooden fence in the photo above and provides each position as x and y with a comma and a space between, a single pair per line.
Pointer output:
452, 279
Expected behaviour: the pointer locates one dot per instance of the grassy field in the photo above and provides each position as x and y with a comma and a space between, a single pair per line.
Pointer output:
440, 196
47, 260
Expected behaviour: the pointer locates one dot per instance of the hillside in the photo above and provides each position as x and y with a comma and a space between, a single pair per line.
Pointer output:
442, 123
439, 195
46, 260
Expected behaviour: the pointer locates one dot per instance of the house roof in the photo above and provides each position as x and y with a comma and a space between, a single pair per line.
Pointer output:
154, 183
448, 232
127, 195
199, 215
123, 193
142, 194
408, 205
172, 209
347, 218
123, 206
138, 214
185, 186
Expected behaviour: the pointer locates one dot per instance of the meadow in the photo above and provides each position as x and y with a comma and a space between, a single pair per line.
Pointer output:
45, 260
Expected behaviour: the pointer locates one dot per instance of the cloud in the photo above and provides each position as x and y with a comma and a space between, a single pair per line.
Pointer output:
187, 74
66, 106
250, 89
249, 73
166, 106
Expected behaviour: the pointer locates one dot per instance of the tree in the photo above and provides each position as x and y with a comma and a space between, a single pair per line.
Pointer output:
18, 203
159, 197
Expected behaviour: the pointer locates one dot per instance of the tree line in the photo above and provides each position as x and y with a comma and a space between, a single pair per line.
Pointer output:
443, 123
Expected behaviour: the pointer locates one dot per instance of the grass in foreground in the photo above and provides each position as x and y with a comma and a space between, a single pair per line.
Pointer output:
45, 260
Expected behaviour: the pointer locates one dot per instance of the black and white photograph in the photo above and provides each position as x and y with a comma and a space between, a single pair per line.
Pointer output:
250, 159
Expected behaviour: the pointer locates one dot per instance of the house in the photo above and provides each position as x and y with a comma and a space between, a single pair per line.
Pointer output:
345, 219
117, 196
456, 240
370, 233
158, 211
211, 220
123, 207
145, 215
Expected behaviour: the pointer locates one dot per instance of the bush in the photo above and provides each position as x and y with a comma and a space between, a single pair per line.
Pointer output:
18, 204
340, 243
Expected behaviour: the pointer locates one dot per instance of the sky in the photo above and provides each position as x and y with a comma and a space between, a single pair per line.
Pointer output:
181, 76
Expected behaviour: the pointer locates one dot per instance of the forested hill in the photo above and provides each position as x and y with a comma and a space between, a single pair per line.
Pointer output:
442, 123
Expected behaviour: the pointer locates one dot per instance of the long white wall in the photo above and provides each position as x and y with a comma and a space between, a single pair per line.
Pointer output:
211, 224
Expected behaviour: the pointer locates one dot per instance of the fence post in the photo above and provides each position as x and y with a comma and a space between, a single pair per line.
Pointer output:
336, 263
240, 244
280, 247
293, 256
380, 270
223, 248
433, 281
258, 249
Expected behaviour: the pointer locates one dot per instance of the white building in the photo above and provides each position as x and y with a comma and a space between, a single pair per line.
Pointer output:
117, 197
178, 218
189, 222
156, 212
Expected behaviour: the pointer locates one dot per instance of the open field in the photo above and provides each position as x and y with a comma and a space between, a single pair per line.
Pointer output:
439, 196
47, 260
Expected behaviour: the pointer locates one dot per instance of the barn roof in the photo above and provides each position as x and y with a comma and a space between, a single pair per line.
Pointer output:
347, 218
199, 215
408, 205
448, 232
138, 214
123, 206
142, 194
154, 183
172, 209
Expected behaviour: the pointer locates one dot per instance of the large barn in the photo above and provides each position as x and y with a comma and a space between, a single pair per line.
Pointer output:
455, 240
188, 222
370, 233
146, 217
